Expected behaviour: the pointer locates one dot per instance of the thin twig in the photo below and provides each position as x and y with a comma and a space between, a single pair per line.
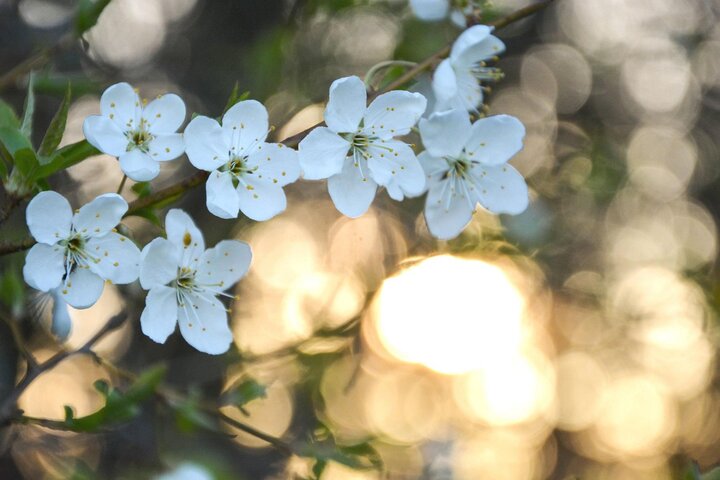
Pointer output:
8, 409
122, 184
18, 246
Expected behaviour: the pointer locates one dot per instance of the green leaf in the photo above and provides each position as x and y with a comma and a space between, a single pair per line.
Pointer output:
319, 468
142, 189
243, 392
29, 110
189, 417
713, 474
235, 97
119, 407
66, 157
20, 150
148, 214
8, 117
55, 131
87, 14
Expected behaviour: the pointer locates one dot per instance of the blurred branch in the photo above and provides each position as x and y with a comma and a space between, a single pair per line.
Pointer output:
166, 193
13, 202
18, 246
36, 61
9, 411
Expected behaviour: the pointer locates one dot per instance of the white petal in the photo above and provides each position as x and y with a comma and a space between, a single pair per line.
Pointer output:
49, 217
469, 92
44, 266
397, 169
165, 114
159, 317
61, 321
351, 191
447, 213
445, 133
159, 262
475, 45
183, 233
101, 215
105, 135
494, 140
166, 147
222, 199
118, 258
347, 104
322, 154
444, 82
121, 104
205, 143
435, 168
500, 188
223, 265
245, 125
204, 324
458, 18
276, 162
394, 113
139, 166
82, 289
430, 10
260, 199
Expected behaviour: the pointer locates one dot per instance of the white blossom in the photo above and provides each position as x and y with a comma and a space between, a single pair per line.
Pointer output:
184, 281
434, 10
357, 150
186, 471
77, 252
466, 165
457, 79
247, 173
139, 135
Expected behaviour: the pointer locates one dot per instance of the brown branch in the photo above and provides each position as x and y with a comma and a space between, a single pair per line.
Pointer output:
12, 247
169, 192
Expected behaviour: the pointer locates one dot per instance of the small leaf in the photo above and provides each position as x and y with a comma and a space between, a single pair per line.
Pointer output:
319, 468
243, 392
103, 387
235, 97
148, 214
8, 118
87, 14
29, 110
55, 131
69, 413
20, 149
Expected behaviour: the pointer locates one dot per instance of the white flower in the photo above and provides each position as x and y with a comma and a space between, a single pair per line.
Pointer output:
466, 165
247, 173
77, 253
186, 471
139, 135
434, 10
456, 81
184, 281
356, 152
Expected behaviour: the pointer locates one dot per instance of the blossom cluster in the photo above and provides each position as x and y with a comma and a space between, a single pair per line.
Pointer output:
360, 149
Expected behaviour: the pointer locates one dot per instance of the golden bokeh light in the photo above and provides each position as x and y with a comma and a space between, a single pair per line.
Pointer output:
450, 314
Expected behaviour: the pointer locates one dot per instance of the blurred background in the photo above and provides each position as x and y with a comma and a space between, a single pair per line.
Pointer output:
577, 340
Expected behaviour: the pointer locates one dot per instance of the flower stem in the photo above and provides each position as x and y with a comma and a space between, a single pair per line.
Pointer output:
122, 185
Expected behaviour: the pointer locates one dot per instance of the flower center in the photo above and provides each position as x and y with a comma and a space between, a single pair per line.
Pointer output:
459, 167
185, 279
139, 139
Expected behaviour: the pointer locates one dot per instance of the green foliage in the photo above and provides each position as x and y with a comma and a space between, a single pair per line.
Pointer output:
119, 407
243, 392
713, 474
66, 157
142, 189
189, 415
20, 150
235, 97
87, 14
12, 287
55, 131
29, 110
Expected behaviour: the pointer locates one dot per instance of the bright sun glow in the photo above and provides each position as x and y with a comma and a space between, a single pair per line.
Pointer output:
450, 314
